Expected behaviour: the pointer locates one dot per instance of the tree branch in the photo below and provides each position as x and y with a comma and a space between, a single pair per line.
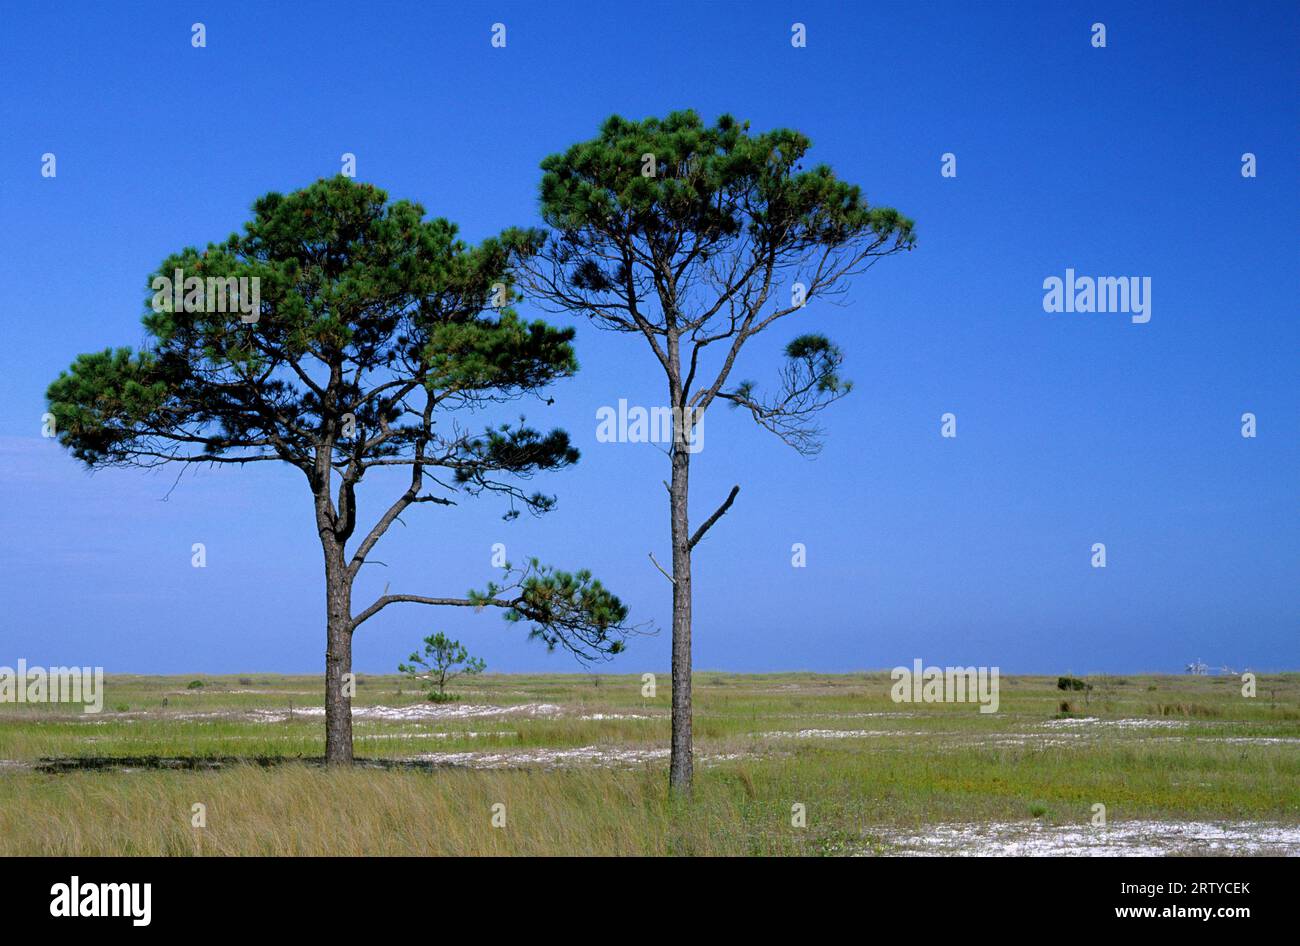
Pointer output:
661, 568
385, 600
708, 523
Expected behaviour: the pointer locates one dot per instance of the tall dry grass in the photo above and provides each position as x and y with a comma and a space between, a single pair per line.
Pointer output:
301, 810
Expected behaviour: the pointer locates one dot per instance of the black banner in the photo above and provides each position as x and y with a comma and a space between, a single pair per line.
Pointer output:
144, 895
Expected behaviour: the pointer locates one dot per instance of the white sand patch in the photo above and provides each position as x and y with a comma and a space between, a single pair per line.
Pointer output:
833, 733
268, 692
1091, 725
1028, 740
1255, 740
1093, 722
438, 735
1119, 839
432, 712
1085, 740
437, 711
880, 715
619, 716
211, 714
593, 756
597, 756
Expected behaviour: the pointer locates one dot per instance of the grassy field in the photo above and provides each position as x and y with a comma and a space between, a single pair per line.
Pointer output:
1182, 764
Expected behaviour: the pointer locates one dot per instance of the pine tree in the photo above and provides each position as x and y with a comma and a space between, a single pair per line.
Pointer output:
371, 326
689, 236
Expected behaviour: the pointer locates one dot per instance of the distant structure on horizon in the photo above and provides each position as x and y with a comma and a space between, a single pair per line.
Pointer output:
1197, 669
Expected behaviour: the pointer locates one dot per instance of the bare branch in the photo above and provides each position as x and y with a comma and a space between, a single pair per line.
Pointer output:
385, 600
661, 568
708, 523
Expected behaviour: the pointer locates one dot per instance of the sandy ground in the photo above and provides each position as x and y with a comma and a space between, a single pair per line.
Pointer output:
623, 716
1119, 839
1061, 737
431, 712
498, 733
834, 733
592, 756
1092, 722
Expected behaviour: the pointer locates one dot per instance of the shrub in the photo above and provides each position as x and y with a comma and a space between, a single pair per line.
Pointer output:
443, 659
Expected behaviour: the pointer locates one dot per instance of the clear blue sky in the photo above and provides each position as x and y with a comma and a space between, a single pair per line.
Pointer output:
1072, 429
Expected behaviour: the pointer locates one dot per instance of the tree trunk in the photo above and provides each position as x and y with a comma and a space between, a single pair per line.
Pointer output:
338, 658
681, 763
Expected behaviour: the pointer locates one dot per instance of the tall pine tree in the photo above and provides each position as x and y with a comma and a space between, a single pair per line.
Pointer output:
693, 239
373, 326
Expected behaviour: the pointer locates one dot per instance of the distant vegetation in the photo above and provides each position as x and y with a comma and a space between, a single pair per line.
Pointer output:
442, 661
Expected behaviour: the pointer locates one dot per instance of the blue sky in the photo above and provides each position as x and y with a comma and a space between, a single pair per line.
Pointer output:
1072, 428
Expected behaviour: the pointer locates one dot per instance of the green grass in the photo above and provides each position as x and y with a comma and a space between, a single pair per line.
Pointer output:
939, 763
